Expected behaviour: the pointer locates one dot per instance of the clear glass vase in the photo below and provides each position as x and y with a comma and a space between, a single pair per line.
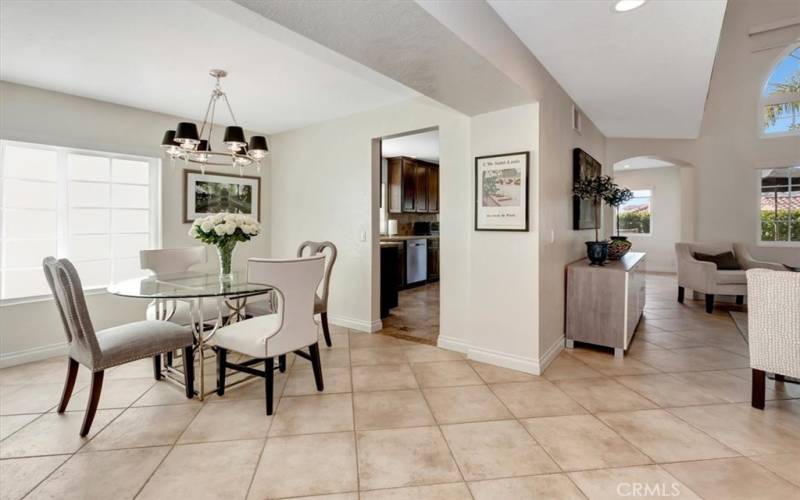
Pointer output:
225, 254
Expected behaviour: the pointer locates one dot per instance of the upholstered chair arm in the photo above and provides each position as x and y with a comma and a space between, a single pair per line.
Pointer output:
747, 261
774, 321
692, 273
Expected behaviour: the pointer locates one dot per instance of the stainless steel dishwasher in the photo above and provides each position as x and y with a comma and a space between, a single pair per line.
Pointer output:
416, 260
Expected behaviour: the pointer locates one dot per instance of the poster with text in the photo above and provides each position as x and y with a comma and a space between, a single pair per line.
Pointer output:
501, 192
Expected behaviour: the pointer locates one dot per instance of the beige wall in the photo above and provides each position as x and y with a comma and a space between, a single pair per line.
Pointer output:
33, 115
729, 150
665, 223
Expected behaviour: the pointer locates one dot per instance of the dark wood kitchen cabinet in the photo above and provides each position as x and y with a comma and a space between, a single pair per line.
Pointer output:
433, 259
413, 186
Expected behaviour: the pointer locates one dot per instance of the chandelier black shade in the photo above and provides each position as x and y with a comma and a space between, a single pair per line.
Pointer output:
187, 144
169, 139
234, 137
186, 133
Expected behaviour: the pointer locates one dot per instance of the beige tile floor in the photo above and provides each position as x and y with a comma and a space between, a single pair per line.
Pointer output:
402, 420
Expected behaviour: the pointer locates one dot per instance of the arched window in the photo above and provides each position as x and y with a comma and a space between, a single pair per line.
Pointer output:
780, 97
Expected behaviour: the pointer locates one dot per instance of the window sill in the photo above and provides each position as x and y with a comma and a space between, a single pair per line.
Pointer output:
44, 298
778, 244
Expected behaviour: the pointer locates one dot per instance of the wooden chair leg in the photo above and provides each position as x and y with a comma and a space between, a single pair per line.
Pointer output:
222, 355
740, 300
681, 294
282, 363
157, 366
169, 358
709, 303
69, 384
317, 365
325, 329
94, 398
269, 376
759, 386
188, 370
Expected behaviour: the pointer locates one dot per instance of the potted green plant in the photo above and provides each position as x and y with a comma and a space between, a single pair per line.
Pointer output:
619, 245
596, 190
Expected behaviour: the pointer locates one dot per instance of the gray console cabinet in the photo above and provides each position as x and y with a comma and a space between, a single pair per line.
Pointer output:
604, 304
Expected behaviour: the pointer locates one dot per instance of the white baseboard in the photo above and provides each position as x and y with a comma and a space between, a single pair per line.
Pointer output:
452, 344
490, 356
356, 324
29, 355
550, 354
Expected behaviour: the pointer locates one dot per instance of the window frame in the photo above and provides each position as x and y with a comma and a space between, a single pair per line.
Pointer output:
767, 100
652, 213
62, 183
771, 243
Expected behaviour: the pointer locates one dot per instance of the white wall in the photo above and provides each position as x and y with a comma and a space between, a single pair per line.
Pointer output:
32, 330
729, 150
322, 188
666, 210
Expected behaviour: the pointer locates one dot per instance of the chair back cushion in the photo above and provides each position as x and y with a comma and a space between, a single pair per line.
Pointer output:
295, 282
724, 261
171, 260
773, 318
320, 247
68, 294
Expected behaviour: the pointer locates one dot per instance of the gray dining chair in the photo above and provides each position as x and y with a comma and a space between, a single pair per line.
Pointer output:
291, 328
321, 300
111, 347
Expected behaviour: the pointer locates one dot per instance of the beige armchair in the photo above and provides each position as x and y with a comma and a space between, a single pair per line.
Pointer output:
704, 277
773, 327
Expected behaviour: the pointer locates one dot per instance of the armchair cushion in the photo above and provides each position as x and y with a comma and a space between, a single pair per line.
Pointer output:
731, 277
138, 340
725, 261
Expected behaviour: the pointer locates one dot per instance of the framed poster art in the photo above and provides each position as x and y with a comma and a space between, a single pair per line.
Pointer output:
583, 165
501, 192
211, 193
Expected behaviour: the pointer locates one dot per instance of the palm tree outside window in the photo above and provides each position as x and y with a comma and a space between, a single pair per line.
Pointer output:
780, 97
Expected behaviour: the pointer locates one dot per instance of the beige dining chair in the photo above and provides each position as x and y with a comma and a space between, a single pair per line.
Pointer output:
321, 300
291, 329
111, 347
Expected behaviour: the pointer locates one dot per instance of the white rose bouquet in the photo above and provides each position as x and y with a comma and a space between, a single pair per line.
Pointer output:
224, 231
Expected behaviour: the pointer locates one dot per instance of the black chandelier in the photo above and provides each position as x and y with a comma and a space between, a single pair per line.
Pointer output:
186, 144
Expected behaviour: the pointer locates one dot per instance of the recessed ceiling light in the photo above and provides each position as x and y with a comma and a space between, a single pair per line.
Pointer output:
626, 166
628, 5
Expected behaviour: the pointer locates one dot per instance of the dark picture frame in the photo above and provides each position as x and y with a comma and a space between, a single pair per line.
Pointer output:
516, 202
583, 165
192, 177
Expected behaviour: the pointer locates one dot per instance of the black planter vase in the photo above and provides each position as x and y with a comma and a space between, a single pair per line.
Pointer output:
597, 251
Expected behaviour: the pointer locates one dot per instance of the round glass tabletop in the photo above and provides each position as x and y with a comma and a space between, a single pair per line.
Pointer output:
186, 285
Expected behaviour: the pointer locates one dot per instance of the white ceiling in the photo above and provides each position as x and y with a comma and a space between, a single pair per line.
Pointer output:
156, 56
643, 73
642, 162
424, 146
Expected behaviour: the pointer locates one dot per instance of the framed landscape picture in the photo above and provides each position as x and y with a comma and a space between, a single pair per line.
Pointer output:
583, 165
212, 193
501, 192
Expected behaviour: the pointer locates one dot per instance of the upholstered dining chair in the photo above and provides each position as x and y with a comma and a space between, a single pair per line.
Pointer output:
321, 300
107, 348
773, 327
291, 329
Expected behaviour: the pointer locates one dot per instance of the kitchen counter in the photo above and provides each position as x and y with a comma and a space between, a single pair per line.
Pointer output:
406, 238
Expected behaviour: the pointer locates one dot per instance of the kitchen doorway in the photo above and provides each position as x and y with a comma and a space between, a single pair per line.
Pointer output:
408, 232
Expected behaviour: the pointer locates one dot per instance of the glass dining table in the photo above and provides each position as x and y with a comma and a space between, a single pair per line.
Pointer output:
169, 292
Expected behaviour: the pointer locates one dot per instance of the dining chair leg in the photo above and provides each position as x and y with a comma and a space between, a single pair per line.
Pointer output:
282, 363
188, 370
157, 366
315, 363
69, 384
222, 356
169, 358
269, 376
759, 386
94, 398
325, 329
